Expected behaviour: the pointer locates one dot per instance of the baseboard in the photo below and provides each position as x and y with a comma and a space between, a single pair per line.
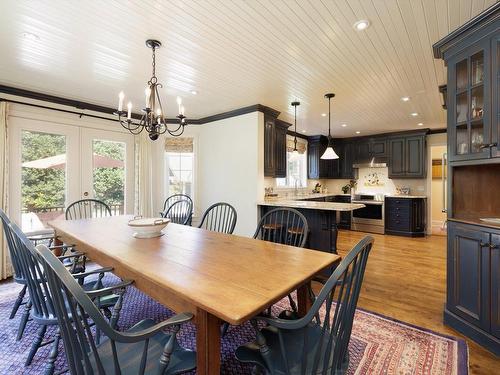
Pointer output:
405, 234
471, 331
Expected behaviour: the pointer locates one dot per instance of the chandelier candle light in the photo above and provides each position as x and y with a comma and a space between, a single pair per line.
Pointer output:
329, 153
153, 120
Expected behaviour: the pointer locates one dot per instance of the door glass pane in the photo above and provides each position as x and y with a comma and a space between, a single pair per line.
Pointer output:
477, 131
477, 68
477, 103
43, 179
462, 140
462, 75
461, 107
109, 174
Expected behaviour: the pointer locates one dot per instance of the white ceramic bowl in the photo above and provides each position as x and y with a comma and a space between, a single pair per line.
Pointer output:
148, 227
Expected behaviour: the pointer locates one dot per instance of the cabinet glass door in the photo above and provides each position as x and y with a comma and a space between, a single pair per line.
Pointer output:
495, 123
468, 116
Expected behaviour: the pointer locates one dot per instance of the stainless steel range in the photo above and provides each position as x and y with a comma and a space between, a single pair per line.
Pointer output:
371, 217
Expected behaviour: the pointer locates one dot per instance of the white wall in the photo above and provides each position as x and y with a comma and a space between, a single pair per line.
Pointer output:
230, 166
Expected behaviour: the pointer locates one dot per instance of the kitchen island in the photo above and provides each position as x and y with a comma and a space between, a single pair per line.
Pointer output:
322, 217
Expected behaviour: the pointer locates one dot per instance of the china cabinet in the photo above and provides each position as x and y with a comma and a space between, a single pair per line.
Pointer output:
472, 56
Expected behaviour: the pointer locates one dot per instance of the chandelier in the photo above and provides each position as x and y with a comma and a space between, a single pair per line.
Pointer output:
153, 120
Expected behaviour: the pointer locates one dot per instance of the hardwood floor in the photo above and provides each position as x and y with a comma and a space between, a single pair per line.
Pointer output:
406, 279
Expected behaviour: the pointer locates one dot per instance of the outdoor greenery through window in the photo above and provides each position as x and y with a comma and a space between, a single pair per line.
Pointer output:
43, 176
180, 163
109, 174
296, 166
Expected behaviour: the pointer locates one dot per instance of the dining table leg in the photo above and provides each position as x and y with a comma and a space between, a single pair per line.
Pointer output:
303, 299
208, 336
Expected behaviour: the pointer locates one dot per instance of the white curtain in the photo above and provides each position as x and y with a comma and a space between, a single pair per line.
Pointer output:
144, 176
5, 267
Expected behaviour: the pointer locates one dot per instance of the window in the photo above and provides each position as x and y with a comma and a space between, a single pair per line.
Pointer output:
296, 165
179, 157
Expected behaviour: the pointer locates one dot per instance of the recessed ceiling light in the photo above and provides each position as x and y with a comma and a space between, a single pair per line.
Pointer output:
420, 123
405, 98
194, 92
323, 114
30, 36
361, 25
303, 131
358, 132
344, 125
414, 114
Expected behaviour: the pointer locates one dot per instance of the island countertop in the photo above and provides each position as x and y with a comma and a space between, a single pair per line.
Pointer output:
326, 206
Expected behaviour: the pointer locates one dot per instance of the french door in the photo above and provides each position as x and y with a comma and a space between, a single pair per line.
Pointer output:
53, 165
107, 168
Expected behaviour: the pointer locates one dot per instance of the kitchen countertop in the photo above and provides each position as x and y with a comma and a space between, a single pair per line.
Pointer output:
405, 196
325, 206
302, 196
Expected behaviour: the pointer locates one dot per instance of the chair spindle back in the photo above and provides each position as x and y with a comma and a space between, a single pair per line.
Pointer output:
180, 212
219, 217
283, 225
87, 209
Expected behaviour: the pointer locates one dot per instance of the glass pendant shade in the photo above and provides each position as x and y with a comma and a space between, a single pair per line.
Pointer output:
329, 154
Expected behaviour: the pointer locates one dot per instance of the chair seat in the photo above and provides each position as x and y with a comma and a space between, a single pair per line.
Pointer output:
295, 230
129, 355
293, 342
104, 302
272, 226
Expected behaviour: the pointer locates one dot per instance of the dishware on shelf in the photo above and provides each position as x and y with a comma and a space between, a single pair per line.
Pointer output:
402, 190
148, 227
491, 220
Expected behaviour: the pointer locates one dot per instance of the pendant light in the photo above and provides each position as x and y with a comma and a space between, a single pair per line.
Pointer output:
295, 152
329, 153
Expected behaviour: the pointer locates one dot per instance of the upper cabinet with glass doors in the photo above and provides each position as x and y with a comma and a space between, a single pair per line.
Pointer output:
469, 113
472, 58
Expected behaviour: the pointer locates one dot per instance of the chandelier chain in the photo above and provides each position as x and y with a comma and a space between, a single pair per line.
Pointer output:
153, 77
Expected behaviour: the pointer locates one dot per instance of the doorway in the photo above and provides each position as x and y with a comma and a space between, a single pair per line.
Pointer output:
438, 189
53, 165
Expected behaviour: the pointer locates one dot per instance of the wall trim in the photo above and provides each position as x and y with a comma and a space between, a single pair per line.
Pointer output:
437, 131
82, 106
298, 135
238, 112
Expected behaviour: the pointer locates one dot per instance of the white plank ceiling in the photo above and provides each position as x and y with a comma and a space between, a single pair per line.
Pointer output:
237, 53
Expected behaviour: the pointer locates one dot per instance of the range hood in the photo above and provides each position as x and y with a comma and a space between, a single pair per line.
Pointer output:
372, 163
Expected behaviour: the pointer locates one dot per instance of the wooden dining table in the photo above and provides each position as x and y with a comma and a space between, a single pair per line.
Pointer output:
217, 277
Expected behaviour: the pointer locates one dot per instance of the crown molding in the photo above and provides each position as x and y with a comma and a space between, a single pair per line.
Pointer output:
86, 106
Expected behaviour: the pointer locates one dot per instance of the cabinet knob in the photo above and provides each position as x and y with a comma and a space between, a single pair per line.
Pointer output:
490, 245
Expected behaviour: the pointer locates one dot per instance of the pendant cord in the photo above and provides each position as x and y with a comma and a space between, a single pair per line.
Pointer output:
329, 116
